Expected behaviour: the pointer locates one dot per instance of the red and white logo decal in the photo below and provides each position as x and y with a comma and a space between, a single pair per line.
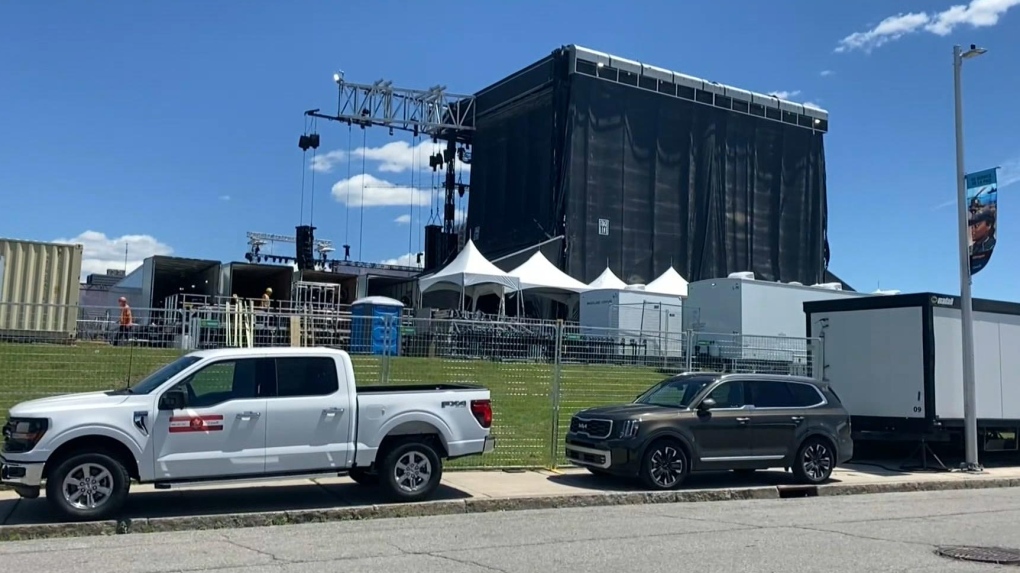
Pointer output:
213, 423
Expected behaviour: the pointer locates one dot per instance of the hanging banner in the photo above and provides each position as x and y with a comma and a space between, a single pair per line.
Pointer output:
982, 206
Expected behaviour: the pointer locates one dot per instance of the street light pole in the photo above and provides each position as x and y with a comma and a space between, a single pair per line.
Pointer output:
966, 308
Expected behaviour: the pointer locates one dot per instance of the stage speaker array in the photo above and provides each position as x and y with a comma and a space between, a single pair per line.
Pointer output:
305, 247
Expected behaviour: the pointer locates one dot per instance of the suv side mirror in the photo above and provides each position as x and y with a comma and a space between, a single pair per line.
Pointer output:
706, 404
174, 399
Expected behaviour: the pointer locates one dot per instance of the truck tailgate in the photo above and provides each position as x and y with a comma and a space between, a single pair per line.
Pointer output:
460, 414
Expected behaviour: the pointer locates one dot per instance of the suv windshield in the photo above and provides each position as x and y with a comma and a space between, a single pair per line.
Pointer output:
157, 378
675, 392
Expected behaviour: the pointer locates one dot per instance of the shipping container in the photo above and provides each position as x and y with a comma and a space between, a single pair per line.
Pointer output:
39, 288
633, 315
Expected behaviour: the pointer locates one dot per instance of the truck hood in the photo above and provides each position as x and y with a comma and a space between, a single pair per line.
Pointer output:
624, 411
80, 401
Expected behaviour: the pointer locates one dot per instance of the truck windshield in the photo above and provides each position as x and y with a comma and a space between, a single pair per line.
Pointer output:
675, 392
157, 378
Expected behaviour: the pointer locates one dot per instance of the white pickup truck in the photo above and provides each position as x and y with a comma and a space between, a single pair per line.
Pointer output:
238, 415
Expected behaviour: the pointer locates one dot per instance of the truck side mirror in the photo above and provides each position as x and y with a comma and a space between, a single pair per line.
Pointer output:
174, 399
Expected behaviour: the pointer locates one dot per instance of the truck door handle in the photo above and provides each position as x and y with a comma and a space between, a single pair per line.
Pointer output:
330, 412
248, 415
743, 420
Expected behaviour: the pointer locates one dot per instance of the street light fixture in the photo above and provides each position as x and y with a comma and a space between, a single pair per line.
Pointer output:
966, 307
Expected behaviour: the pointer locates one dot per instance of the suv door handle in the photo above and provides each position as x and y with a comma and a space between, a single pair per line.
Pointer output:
743, 420
797, 418
248, 415
330, 412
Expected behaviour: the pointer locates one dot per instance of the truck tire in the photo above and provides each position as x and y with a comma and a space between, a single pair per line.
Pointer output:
88, 486
361, 476
410, 470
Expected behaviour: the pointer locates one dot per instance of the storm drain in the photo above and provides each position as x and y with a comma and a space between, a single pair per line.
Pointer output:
996, 555
795, 491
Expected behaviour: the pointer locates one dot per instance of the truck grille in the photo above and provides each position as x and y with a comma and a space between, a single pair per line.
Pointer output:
598, 429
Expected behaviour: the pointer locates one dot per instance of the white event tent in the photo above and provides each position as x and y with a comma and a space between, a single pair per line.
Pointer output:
607, 280
470, 274
669, 282
540, 277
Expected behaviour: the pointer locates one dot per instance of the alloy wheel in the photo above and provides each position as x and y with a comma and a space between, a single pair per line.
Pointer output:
87, 486
412, 472
666, 467
817, 461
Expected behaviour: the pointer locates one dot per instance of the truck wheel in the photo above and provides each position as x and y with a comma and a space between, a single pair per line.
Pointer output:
665, 465
814, 462
88, 487
411, 470
362, 477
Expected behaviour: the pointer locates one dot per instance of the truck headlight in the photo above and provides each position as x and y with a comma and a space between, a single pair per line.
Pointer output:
22, 434
629, 429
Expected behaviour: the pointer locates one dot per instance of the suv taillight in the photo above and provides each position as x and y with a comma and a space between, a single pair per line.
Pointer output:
482, 409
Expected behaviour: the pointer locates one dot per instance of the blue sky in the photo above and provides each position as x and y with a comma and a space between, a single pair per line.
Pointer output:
172, 126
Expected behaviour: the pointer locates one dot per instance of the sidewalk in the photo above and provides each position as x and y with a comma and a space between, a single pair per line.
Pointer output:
462, 491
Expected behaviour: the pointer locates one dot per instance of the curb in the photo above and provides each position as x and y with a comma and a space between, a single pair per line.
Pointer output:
475, 505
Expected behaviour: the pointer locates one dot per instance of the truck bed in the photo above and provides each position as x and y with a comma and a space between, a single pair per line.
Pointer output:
394, 388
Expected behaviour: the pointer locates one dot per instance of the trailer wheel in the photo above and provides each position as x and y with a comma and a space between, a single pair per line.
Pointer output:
361, 476
88, 486
411, 470
816, 458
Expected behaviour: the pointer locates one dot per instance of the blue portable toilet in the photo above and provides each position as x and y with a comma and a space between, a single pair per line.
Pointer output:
375, 325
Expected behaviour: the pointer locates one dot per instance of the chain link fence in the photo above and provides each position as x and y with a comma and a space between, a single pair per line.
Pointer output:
538, 373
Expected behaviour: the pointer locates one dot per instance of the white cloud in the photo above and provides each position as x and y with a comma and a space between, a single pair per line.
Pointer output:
408, 260
459, 216
826, 73
787, 95
101, 252
1009, 172
393, 157
813, 104
976, 14
378, 192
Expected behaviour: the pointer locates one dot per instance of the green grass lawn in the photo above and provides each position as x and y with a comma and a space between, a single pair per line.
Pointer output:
522, 393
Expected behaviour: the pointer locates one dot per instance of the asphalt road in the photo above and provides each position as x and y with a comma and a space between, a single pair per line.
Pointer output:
890, 532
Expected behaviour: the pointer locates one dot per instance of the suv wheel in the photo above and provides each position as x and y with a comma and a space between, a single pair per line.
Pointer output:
411, 470
665, 465
815, 461
90, 486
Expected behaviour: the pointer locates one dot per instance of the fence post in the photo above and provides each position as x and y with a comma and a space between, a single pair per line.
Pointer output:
384, 371
688, 350
818, 358
554, 393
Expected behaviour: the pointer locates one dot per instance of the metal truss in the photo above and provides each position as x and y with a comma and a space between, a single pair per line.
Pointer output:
259, 239
432, 112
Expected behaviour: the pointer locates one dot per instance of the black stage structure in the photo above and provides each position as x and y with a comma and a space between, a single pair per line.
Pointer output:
642, 168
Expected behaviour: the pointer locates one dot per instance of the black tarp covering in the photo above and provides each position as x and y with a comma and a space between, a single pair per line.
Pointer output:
707, 190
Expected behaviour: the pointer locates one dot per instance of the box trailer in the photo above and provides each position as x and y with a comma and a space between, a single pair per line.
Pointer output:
742, 319
895, 362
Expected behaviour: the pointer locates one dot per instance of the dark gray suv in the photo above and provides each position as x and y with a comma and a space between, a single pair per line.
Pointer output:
713, 422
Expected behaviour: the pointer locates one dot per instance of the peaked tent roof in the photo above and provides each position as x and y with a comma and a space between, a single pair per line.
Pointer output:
470, 268
538, 273
607, 280
669, 282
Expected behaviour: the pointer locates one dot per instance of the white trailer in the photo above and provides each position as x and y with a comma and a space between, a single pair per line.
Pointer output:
651, 320
895, 362
744, 319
